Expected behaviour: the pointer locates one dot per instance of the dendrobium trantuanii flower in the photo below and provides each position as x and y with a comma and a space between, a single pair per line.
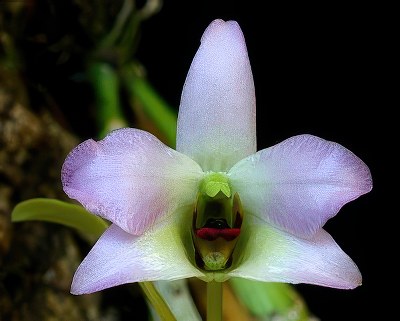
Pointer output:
214, 208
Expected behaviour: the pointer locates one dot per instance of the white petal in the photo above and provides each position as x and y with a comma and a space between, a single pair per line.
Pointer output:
130, 178
272, 255
217, 117
298, 184
119, 257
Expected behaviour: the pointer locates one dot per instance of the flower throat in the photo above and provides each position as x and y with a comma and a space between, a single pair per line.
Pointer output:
217, 220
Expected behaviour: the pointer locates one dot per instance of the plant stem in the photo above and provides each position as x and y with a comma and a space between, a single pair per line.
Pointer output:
157, 301
123, 16
214, 301
158, 111
105, 83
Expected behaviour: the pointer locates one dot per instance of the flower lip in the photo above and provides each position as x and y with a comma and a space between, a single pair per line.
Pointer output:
211, 234
218, 227
216, 236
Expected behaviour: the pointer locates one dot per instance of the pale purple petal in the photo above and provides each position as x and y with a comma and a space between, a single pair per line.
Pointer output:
299, 184
119, 258
130, 178
217, 116
272, 255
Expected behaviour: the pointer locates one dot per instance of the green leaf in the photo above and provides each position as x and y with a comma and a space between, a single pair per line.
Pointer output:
266, 300
56, 211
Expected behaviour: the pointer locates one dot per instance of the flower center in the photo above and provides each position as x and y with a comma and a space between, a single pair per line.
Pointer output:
217, 220
215, 228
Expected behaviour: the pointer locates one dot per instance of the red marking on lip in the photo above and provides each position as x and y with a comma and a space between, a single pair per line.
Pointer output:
211, 234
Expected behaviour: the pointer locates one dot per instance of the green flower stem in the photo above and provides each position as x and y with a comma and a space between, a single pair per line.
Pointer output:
127, 10
105, 85
214, 301
158, 111
122, 40
157, 301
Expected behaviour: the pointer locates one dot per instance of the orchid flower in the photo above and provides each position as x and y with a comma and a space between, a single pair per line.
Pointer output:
215, 207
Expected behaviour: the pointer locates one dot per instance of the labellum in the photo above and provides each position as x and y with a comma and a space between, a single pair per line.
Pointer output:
216, 228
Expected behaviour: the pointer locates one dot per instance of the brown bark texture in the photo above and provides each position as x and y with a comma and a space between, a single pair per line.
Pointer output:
37, 259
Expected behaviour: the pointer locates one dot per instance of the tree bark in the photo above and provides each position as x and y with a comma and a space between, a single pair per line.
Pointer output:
37, 259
